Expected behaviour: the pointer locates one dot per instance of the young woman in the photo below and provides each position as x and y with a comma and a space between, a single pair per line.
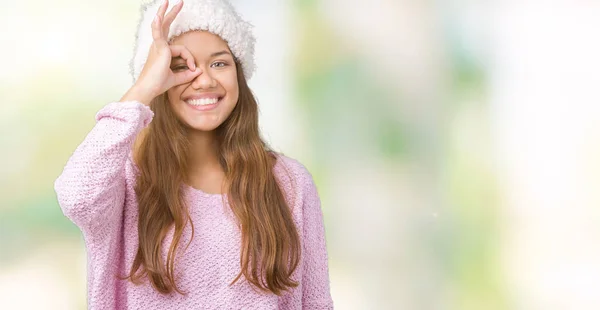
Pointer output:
181, 203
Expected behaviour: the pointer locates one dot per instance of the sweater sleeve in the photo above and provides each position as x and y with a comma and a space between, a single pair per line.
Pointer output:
91, 188
315, 270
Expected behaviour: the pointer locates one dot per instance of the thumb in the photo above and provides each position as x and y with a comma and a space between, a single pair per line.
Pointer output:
186, 76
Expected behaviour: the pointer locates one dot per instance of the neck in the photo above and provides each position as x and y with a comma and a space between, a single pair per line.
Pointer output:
203, 152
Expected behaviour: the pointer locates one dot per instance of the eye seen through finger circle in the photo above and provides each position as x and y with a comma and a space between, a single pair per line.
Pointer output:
181, 67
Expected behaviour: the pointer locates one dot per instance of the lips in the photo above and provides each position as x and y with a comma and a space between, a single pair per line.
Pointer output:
203, 104
203, 101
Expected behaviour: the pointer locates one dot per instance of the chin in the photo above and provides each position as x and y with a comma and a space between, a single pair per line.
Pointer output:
202, 128
202, 124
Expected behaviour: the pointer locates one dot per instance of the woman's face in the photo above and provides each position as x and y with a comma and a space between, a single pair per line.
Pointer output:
207, 101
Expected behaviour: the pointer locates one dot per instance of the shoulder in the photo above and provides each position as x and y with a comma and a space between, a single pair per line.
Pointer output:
292, 175
289, 167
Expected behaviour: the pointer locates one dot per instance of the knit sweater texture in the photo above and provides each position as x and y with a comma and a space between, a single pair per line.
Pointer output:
96, 192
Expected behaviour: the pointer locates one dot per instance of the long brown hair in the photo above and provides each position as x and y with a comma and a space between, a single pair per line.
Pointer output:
270, 245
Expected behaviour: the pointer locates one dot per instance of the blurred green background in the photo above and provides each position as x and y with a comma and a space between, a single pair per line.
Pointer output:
455, 144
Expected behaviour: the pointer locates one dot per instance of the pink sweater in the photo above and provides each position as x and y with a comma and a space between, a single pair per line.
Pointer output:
95, 191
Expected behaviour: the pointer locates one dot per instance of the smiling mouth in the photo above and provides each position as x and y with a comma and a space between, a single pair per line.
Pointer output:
204, 104
203, 101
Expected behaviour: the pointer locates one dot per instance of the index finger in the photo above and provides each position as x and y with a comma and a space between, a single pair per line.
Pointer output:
184, 53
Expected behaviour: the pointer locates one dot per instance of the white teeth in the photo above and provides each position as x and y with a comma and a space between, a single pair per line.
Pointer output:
203, 101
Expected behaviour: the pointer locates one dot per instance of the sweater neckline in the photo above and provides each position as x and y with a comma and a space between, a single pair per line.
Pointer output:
202, 193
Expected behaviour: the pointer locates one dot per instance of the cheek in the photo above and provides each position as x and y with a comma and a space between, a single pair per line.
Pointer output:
174, 93
174, 101
174, 98
235, 94
232, 88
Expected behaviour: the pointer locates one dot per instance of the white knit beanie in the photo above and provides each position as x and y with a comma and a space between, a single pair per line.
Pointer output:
216, 16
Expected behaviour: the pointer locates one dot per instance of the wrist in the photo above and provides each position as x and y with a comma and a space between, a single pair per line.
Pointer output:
138, 93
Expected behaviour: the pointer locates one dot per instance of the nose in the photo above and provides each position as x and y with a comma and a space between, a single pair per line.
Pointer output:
204, 80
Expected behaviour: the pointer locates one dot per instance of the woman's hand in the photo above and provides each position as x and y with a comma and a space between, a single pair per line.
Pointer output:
156, 76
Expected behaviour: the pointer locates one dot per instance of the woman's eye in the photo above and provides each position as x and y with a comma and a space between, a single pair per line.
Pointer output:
178, 68
218, 64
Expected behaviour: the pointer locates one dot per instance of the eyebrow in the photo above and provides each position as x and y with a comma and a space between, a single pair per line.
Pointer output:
223, 52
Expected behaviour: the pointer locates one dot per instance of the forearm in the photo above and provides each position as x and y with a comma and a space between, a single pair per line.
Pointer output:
92, 181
